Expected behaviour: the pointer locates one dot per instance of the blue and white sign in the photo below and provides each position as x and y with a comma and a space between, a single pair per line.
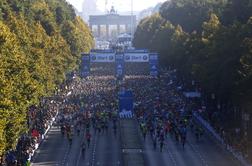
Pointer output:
125, 101
85, 65
192, 94
136, 57
102, 57
153, 61
119, 66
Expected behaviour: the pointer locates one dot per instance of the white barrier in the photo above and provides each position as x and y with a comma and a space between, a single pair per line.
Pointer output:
42, 138
207, 126
126, 114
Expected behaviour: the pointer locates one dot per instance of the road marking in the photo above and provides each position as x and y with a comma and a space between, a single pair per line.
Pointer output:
94, 150
199, 155
171, 157
78, 161
66, 155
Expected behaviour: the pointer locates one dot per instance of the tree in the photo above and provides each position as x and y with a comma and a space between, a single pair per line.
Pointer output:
37, 49
237, 10
146, 30
190, 13
15, 81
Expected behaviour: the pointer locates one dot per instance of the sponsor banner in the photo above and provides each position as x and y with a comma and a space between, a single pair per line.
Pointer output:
192, 94
119, 66
125, 101
136, 57
85, 65
102, 57
153, 61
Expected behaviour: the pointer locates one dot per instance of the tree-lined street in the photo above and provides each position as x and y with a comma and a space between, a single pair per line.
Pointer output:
171, 89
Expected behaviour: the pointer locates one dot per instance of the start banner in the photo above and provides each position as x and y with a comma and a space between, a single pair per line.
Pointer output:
136, 57
102, 57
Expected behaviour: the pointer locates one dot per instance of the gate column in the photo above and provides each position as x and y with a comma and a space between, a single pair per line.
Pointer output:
107, 31
99, 30
118, 29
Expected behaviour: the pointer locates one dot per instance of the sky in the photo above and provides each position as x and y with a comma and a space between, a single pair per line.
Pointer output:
120, 5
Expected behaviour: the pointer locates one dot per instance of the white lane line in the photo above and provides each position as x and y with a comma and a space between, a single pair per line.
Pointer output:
66, 155
199, 155
94, 150
171, 157
78, 160
80, 153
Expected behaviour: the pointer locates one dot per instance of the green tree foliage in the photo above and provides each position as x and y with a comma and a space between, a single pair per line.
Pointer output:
237, 10
190, 13
148, 26
40, 41
15, 81
193, 36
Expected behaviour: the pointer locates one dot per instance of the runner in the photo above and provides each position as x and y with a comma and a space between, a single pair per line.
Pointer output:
88, 138
183, 136
114, 128
154, 141
70, 138
83, 149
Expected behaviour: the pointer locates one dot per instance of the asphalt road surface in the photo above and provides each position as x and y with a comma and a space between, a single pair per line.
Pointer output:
105, 150
55, 150
205, 152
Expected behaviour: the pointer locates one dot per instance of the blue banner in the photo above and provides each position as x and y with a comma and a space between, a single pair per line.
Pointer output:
125, 101
119, 58
85, 65
153, 61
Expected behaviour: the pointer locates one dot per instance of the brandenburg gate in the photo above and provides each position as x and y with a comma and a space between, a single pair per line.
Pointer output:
112, 18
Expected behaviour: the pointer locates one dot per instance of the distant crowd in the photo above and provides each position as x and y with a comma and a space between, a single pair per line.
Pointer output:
159, 106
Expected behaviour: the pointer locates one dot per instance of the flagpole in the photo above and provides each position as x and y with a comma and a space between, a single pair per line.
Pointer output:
105, 8
131, 18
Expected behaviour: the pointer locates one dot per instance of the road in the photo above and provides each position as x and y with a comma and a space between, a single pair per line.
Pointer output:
206, 152
55, 150
105, 150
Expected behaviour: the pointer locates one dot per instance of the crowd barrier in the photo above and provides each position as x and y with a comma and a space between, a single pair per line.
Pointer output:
43, 137
209, 128
126, 115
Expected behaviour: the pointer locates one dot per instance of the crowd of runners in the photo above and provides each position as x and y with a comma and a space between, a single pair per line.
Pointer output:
92, 104
162, 110
88, 106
